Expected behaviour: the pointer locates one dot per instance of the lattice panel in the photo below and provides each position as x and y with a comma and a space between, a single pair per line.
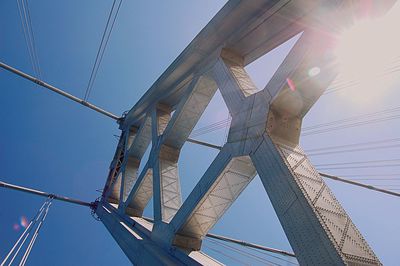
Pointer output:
236, 176
170, 189
332, 216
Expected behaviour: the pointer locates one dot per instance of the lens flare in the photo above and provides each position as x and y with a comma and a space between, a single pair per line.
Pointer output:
367, 56
312, 72
291, 84
16, 227
23, 221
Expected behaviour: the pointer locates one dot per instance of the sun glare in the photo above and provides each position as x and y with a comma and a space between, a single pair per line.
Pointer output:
368, 56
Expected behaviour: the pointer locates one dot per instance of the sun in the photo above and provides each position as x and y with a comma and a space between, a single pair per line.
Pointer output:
368, 56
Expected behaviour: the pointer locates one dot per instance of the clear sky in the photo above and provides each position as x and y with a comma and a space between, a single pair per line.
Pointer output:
55, 145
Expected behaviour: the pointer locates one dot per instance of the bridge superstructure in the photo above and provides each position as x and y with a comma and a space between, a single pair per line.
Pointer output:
263, 138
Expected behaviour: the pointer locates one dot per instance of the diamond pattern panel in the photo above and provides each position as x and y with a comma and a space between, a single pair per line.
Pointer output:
170, 189
293, 156
356, 247
228, 186
338, 226
243, 79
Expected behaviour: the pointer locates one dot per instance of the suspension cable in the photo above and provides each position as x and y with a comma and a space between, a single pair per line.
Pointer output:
29, 36
337, 178
245, 253
36, 233
263, 252
59, 91
226, 255
247, 244
25, 232
45, 194
103, 44
368, 118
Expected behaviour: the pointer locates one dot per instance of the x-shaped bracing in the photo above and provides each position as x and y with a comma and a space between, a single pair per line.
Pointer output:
263, 139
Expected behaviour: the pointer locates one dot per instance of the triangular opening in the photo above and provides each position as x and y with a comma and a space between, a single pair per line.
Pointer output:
262, 69
262, 228
213, 125
149, 211
194, 158
144, 159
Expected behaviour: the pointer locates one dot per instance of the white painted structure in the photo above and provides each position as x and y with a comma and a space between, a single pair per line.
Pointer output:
263, 139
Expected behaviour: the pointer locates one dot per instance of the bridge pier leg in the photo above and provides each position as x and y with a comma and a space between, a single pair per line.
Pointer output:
317, 227
133, 235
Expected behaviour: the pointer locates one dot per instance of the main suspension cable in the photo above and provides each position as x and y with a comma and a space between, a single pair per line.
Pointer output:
59, 91
29, 36
25, 232
36, 233
103, 44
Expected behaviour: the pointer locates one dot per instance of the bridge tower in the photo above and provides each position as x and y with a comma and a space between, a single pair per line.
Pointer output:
263, 139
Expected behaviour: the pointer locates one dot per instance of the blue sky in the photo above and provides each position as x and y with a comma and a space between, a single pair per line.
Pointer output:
55, 145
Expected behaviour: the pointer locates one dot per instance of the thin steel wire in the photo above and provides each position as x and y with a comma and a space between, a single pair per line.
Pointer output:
26, 233
245, 253
100, 52
35, 235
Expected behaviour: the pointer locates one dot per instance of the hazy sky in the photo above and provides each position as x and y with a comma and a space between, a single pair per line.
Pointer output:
55, 145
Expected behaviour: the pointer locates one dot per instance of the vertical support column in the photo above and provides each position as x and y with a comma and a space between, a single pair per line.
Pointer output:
166, 171
136, 143
166, 184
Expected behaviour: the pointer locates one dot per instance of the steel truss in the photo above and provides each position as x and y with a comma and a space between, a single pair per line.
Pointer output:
263, 139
